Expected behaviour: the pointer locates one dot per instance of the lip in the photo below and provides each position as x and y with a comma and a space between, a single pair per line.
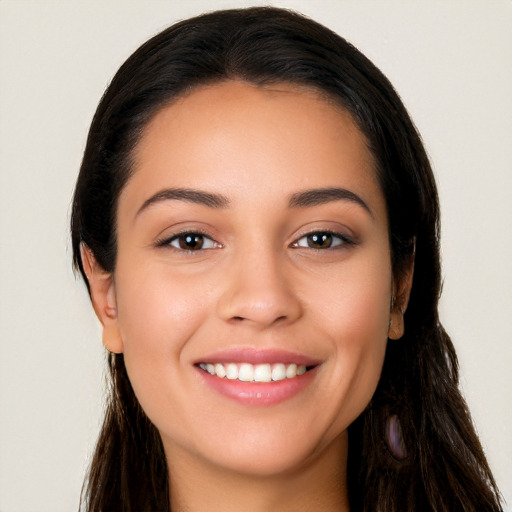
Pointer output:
258, 393
258, 356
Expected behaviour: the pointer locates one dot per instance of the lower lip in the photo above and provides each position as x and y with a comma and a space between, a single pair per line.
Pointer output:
258, 393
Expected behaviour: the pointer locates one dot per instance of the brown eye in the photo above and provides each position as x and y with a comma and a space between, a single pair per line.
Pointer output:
192, 242
322, 240
319, 240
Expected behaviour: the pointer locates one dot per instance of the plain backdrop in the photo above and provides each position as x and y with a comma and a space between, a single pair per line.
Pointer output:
450, 61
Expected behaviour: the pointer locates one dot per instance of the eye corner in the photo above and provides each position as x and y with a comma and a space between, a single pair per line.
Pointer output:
188, 241
323, 239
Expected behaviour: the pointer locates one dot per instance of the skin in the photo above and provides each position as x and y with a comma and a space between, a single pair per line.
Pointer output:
257, 284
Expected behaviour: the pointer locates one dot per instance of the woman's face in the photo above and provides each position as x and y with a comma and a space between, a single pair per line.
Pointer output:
252, 242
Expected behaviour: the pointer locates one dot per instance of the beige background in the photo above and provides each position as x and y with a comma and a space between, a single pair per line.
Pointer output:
451, 61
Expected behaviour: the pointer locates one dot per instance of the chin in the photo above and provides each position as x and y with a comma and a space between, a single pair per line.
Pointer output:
265, 462
274, 455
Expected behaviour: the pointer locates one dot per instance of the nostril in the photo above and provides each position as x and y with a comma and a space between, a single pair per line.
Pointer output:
239, 319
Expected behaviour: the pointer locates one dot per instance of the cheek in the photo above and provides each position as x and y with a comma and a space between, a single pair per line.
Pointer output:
359, 326
355, 304
157, 305
355, 318
157, 315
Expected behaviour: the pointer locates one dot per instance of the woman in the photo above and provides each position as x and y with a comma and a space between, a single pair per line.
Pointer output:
257, 223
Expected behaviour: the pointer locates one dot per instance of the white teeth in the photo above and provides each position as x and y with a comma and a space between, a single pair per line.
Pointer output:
279, 372
291, 371
220, 371
232, 371
247, 372
263, 373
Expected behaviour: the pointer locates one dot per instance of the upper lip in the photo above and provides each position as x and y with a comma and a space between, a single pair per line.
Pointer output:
258, 356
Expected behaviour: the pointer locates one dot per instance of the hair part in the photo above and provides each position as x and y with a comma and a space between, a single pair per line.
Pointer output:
445, 467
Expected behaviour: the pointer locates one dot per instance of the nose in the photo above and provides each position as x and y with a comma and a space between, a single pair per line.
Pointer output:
259, 291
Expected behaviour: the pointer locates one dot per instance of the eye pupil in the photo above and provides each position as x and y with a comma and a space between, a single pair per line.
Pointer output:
320, 240
191, 242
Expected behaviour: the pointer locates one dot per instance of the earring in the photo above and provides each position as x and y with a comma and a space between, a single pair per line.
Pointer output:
394, 438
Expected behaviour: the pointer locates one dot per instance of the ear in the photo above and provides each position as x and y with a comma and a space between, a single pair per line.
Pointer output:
402, 286
103, 296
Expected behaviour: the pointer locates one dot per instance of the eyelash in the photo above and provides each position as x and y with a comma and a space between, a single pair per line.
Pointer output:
179, 237
342, 240
338, 239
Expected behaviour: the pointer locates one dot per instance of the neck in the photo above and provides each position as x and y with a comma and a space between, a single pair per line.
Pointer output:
319, 484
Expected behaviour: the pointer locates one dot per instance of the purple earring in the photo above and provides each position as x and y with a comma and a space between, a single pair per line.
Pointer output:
394, 438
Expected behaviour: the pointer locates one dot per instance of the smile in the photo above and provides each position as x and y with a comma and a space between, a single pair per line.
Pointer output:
257, 377
247, 372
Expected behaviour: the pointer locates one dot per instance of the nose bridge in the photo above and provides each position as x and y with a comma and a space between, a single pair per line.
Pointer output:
257, 289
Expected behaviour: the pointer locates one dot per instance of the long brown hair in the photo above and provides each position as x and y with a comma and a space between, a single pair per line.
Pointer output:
444, 468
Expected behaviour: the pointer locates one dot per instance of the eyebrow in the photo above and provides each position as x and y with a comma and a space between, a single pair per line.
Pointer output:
304, 199
186, 194
319, 196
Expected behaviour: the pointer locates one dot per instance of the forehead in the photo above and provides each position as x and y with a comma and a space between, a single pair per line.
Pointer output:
233, 136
